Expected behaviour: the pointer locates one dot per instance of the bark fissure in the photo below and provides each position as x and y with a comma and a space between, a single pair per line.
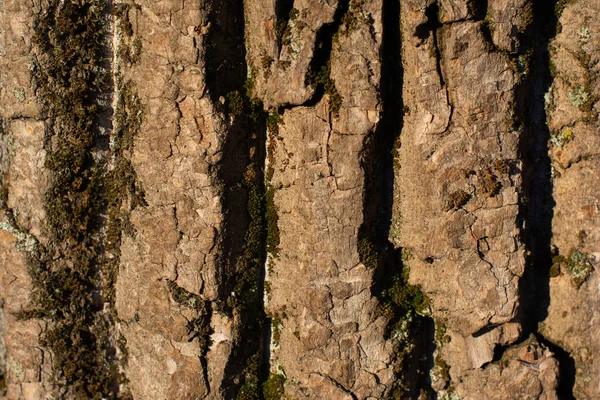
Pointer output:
318, 75
538, 209
241, 172
71, 284
402, 304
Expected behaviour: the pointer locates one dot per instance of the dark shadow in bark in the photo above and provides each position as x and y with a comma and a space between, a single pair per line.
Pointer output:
242, 246
429, 28
283, 8
537, 211
318, 71
225, 51
375, 249
425, 29
478, 9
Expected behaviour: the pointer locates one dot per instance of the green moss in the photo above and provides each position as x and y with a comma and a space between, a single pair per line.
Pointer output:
123, 193
367, 253
79, 261
407, 297
527, 16
122, 346
440, 336
246, 300
456, 200
322, 78
355, 16
277, 325
273, 121
273, 388
198, 327
246, 288
443, 369
560, 7
129, 49
234, 103
399, 298
502, 166
251, 389
70, 78
240, 103
284, 27
266, 62
489, 184
271, 219
472, 7
402, 305
555, 270
577, 264
121, 13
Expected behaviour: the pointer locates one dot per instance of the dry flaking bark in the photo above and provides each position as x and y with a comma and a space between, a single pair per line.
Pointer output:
573, 107
459, 187
25, 366
328, 340
192, 175
169, 276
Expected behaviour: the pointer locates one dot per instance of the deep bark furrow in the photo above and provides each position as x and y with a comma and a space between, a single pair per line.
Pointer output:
538, 202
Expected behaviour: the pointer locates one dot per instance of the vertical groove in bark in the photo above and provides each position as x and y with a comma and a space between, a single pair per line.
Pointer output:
283, 8
243, 246
400, 302
74, 85
319, 69
537, 210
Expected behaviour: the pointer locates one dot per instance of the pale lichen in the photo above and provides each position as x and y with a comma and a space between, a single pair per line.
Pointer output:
560, 139
578, 96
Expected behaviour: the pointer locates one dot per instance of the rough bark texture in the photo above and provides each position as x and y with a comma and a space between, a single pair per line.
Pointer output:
573, 119
25, 364
300, 199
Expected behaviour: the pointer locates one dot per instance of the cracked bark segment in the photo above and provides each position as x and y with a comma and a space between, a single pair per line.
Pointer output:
526, 371
331, 345
24, 132
478, 239
507, 21
457, 187
453, 10
177, 233
24, 365
573, 109
281, 68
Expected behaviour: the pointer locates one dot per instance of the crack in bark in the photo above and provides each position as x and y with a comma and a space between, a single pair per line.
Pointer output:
538, 211
338, 385
377, 162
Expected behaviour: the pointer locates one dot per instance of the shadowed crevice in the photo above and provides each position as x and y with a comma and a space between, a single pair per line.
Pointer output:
225, 48
478, 9
537, 205
319, 67
283, 9
430, 28
400, 303
240, 172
